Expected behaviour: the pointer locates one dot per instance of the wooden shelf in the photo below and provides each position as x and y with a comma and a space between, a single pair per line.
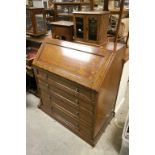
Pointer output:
117, 11
71, 3
65, 14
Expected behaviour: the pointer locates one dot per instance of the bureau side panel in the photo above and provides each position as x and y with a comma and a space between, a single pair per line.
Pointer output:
108, 92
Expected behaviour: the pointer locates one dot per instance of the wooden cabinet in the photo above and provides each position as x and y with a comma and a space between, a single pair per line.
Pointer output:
91, 26
62, 30
78, 85
35, 21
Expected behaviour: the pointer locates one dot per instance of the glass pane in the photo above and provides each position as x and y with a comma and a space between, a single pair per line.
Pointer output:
40, 24
92, 34
28, 22
79, 27
67, 8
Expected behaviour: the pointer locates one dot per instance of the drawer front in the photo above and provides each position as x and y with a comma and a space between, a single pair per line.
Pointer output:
75, 109
71, 104
65, 96
86, 131
73, 99
72, 123
66, 85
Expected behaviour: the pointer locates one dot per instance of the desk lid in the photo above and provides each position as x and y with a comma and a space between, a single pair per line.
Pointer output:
82, 64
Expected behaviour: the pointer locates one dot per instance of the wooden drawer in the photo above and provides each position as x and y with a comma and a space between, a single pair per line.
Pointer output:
64, 117
76, 110
69, 86
74, 100
67, 119
87, 132
65, 96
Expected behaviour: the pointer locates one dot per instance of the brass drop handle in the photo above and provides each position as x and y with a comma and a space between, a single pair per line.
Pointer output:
77, 113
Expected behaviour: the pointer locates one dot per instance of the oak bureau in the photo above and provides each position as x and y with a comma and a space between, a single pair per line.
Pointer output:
78, 84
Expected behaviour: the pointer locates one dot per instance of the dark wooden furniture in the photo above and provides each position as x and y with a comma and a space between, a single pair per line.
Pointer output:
65, 9
78, 84
31, 51
62, 30
35, 21
33, 42
91, 26
115, 10
49, 15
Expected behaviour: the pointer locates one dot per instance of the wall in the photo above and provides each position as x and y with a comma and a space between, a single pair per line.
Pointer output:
122, 87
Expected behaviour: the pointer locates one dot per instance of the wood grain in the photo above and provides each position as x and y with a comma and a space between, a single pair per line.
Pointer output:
78, 85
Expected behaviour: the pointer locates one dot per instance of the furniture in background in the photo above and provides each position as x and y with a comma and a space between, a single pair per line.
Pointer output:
64, 9
116, 11
123, 29
35, 21
31, 51
49, 13
91, 26
33, 44
78, 84
62, 30
30, 3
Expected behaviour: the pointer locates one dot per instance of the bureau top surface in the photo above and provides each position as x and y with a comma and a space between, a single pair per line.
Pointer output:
82, 64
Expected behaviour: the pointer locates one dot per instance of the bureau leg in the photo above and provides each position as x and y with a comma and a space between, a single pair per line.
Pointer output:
113, 113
